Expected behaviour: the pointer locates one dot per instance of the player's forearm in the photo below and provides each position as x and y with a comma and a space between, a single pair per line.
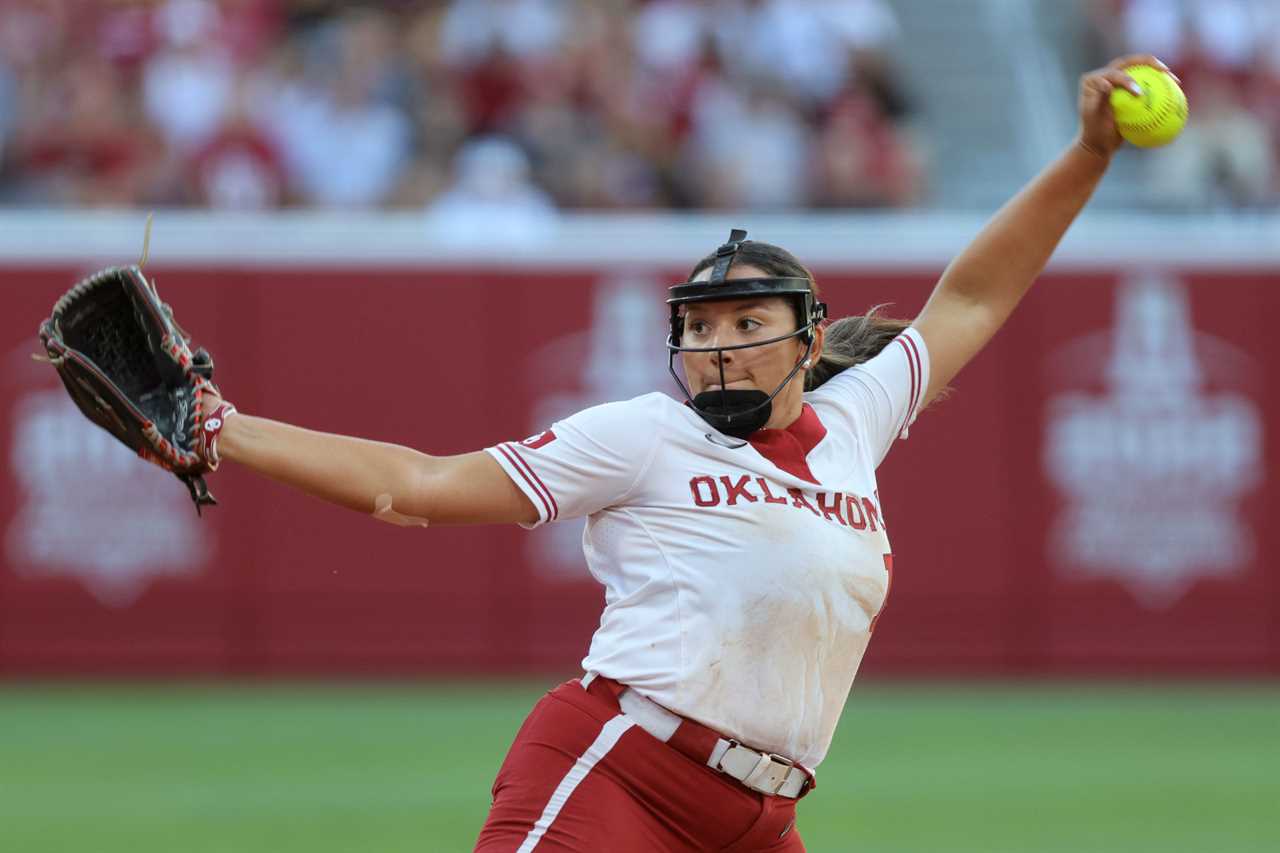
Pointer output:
351, 472
1000, 265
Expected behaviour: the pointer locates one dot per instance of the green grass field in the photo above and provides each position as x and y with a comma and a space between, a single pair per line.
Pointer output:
312, 768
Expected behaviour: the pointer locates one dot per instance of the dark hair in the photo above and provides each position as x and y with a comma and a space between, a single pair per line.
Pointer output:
849, 341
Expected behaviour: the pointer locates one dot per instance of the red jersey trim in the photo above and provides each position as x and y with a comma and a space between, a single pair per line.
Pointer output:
917, 381
789, 448
532, 479
919, 363
555, 508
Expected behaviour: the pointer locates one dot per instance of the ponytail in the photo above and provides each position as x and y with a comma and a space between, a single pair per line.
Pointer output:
853, 340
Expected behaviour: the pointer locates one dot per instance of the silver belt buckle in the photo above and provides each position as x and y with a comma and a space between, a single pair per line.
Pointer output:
785, 762
754, 779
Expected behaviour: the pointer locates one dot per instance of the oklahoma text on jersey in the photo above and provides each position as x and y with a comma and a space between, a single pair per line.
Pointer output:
850, 510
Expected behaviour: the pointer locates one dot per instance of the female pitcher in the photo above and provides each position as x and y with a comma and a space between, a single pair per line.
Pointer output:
738, 535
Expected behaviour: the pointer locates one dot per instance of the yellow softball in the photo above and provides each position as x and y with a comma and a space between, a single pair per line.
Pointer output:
1156, 117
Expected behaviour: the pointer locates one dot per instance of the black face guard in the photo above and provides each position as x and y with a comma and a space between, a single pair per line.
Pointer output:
736, 412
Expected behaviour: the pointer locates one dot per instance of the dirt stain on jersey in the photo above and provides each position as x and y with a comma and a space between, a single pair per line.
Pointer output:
804, 639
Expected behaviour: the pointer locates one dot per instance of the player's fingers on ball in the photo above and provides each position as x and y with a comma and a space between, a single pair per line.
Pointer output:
1097, 81
1094, 88
1120, 80
1137, 59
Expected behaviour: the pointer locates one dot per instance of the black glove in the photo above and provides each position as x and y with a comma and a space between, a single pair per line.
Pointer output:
129, 368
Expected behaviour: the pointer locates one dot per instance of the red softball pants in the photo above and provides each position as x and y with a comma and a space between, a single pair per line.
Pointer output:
581, 777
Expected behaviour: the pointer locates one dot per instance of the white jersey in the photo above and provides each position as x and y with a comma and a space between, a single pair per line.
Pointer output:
741, 583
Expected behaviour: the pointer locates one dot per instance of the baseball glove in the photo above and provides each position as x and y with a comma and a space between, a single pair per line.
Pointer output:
128, 366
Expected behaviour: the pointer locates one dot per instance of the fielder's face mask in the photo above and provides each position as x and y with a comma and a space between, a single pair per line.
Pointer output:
736, 412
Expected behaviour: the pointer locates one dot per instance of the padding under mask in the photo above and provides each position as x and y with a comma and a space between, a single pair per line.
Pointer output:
734, 412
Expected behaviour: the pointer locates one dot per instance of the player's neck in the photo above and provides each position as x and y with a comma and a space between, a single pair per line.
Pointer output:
785, 411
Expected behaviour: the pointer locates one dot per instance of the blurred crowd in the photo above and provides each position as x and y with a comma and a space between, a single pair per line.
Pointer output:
1227, 54
502, 107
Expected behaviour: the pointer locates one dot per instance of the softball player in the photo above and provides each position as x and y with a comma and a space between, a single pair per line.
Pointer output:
738, 535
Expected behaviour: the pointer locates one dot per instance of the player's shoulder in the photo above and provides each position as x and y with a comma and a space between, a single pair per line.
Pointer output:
905, 356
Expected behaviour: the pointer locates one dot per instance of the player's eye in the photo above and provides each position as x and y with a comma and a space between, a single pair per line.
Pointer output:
748, 324
697, 327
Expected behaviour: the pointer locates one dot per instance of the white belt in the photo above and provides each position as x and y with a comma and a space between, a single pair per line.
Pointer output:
760, 771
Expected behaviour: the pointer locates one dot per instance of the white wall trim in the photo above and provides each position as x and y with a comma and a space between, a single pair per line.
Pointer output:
907, 241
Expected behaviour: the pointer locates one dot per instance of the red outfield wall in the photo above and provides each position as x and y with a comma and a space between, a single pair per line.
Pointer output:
1096, 496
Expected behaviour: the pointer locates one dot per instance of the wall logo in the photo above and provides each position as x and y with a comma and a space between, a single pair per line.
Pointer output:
622, 354
1152, 449
90, 509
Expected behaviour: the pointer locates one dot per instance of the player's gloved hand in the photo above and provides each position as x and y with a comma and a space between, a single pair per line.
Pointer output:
129, 367
1098, 132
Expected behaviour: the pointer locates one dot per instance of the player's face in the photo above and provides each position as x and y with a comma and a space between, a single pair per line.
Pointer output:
741, 321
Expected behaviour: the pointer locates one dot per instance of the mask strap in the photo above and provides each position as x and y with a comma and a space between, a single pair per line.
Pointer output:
724, 255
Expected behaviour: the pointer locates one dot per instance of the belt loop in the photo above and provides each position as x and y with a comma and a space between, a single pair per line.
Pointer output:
722, 746
696, 741
603, 687
752, 779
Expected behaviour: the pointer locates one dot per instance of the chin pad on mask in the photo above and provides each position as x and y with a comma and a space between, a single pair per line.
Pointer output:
734, 412
382, 511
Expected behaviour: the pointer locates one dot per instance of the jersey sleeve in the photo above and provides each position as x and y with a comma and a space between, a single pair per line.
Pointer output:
880, 398
586, 462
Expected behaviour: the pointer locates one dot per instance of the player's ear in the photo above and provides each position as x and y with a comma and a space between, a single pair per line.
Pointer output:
815, 352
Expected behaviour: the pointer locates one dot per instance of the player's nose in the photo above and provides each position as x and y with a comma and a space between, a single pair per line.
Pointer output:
724, 357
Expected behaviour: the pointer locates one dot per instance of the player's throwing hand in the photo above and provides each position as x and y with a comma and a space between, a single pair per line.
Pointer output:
1098, 131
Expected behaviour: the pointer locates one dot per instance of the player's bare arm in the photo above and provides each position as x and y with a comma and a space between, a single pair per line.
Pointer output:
981, 287
392, 482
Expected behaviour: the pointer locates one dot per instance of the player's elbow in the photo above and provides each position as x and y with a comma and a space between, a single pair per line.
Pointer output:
404, 499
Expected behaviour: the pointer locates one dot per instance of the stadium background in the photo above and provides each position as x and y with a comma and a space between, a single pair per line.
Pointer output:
446, 224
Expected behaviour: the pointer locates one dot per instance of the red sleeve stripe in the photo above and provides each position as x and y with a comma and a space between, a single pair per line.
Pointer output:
911, 367
915, 352
515, 463
553, 510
